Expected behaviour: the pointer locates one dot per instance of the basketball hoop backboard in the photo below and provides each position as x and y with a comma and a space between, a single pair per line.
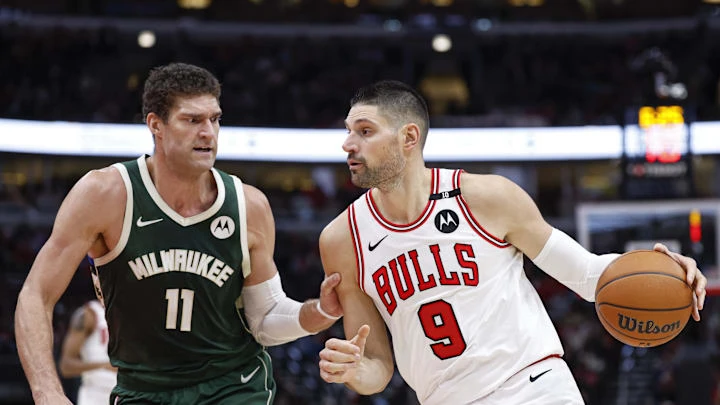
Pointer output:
622, 226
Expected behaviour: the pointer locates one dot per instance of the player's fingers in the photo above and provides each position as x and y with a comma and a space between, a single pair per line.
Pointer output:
342, 346
688, 263
336, 368
333, 377
700, 284
691, 269
659, 247
338, 357
696, 311
361, 337
330, 282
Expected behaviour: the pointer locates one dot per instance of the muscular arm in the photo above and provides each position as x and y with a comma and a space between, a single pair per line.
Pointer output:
375, 369
81, 326
513, 215
261, 244
80, 221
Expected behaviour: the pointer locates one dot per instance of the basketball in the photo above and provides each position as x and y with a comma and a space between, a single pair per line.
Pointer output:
642, 298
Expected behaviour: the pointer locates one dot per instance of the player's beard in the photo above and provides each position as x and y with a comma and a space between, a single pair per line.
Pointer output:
385, 175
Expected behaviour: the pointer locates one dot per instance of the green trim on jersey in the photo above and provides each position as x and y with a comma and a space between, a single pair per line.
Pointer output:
171, 288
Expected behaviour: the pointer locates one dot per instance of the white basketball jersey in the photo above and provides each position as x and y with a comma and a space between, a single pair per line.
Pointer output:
463, 316
95, 349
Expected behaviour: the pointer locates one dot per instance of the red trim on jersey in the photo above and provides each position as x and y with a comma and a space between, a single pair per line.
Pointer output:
435, 183
474, 224
456, 178
355, 233
550, 356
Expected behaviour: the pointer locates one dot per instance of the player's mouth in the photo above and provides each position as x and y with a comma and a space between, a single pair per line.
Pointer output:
203, 149
354, 164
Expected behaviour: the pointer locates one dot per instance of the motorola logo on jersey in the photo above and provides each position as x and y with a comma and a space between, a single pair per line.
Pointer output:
222, 227
447, 221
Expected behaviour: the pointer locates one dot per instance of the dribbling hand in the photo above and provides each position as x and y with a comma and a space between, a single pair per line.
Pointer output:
340, 359
695, 279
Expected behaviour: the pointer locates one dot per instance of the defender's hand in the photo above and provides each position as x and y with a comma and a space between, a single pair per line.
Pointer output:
329, 301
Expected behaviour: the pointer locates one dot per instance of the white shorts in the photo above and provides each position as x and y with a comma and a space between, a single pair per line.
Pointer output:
548, 382
89, 395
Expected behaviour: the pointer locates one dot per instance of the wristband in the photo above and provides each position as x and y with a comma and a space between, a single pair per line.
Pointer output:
325, 314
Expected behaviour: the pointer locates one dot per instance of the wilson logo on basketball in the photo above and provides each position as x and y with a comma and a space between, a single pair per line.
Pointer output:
631, 324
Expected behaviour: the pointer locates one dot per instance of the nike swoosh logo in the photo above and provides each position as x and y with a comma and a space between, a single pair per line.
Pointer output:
140, 223
532, 379
372, 247
245, 379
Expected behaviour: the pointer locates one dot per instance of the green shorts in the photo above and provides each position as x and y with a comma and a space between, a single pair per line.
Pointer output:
251, 385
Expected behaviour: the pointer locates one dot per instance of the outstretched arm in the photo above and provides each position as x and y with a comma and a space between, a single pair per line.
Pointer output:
364, 361
516, 217
273, 317
78, 225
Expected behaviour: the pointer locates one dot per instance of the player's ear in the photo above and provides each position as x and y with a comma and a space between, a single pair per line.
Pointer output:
154, 123
411, 135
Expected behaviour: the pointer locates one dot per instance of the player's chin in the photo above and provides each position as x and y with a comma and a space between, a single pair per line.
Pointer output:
204, 159
359, 180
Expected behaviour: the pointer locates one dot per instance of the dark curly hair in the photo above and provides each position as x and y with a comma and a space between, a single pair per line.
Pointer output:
166, 83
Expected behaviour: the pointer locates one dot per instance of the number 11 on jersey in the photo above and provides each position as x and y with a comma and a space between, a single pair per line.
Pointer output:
173, 297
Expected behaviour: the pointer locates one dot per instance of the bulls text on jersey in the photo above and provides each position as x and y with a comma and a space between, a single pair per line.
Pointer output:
397, 272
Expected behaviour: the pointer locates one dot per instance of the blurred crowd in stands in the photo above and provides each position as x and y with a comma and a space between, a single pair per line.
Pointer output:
527, 80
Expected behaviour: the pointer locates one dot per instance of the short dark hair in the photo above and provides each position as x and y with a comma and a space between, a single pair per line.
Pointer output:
397, 101
166, 83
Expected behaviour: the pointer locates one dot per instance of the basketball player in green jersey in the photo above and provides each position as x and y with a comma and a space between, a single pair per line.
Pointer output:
182, 258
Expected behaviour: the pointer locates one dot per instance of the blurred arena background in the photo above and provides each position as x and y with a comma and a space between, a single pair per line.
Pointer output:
606, 111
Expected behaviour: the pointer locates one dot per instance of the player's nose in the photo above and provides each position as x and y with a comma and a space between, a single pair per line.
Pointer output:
349, 146
207, 129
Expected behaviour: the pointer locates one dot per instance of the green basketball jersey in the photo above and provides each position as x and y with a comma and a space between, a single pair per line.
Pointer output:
171, 287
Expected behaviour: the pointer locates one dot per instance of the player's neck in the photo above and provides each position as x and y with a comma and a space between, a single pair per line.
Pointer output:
187, 195
406, 200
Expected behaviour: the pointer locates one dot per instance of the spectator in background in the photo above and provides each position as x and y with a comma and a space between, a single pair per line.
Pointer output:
85, 354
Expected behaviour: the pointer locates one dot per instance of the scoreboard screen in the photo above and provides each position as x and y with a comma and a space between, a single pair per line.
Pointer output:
656, 152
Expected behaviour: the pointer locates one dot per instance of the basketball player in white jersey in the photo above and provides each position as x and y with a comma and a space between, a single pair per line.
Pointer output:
437, 256
85, 354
